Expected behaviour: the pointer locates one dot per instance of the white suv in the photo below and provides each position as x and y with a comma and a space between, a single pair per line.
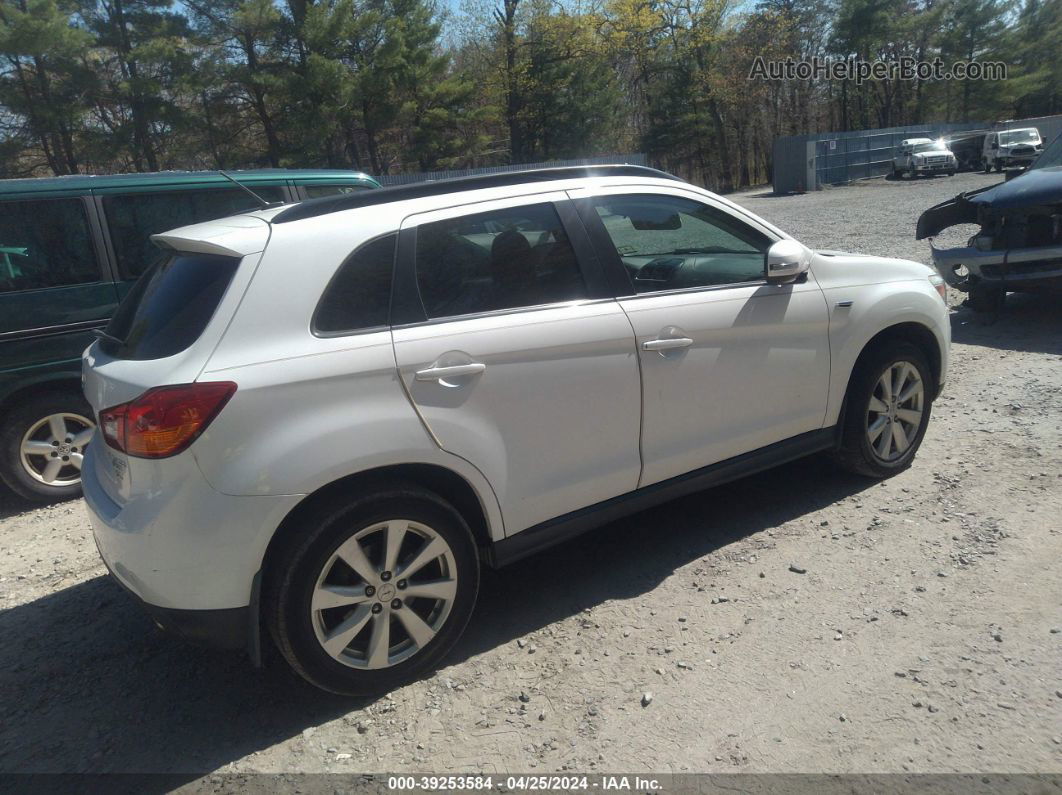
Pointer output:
322, 419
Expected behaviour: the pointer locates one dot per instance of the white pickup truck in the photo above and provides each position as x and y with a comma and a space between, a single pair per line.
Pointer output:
923, 156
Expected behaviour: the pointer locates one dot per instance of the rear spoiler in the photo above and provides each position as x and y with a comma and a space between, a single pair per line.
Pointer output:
237, 236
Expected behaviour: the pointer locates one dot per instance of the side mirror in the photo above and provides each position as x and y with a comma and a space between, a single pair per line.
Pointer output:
787, 261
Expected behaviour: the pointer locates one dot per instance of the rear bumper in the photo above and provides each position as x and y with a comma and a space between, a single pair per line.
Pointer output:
229, 629
189, 554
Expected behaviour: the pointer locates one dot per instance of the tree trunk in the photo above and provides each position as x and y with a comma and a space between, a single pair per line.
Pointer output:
141, 128
507, 21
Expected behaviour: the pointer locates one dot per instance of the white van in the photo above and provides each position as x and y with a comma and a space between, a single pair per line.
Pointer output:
1006, 148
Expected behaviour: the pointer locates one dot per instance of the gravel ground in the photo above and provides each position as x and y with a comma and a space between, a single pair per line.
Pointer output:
798, 620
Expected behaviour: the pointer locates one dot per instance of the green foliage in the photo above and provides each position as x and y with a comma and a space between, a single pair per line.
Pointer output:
397, 85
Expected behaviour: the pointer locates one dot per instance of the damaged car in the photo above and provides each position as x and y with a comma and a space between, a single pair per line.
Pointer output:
1018, 247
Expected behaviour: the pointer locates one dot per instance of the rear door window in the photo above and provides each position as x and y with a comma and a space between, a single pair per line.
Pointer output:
169, 306
495, 260
45, 243
132, 218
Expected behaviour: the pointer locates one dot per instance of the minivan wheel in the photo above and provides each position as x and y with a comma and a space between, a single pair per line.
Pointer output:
887, 411
375, 592
43, 445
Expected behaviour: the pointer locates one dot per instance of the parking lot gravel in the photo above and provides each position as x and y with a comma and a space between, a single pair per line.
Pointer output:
799, 620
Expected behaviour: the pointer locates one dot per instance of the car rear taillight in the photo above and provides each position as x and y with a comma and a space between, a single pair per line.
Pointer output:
164, 420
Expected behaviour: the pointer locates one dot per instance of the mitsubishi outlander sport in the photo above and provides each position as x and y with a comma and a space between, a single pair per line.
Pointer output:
318, 422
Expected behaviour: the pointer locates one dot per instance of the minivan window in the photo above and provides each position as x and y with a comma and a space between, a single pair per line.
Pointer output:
132, 218
45, 243
501, 259
671, 243
359, 295
169, 306
331, 189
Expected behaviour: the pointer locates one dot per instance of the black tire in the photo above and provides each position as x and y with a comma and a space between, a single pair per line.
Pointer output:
23, 417
855, 452
292, 577
951, 173
984, 300
987, 166
999, 165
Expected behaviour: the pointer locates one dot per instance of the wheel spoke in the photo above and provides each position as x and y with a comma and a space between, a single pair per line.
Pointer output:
57, 426
418, 630
899, 436
32, 447
900, 377
877, 405
327, 596
51, 472
428, 553
77, 460
914, 389
876, 427
910, 416
884, 444
343, 634
396, 532
82, 438
432, 589
380, 640
353, 555
885, 382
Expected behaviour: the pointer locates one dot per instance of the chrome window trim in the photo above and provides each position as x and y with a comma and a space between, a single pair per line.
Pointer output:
702, 289
501, 312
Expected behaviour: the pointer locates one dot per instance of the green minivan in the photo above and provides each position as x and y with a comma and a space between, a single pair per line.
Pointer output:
70, 248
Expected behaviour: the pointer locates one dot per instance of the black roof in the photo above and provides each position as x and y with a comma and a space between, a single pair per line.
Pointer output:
330, 204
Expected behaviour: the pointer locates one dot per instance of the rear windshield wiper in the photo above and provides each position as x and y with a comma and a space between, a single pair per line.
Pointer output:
103, 335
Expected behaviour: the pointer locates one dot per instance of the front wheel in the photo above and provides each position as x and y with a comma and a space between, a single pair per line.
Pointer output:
986, 299
999, 166
987, 166
377, 590
887, 411
42, 446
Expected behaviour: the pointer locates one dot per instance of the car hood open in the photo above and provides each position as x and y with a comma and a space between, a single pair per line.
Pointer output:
1033, 188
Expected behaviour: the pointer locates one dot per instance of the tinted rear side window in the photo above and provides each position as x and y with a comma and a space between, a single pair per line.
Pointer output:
134, 217
169, 306
359, 296
45, 243
317, 191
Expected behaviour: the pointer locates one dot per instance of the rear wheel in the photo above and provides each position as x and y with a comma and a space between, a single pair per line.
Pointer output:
887, 411
375, 593
43, 445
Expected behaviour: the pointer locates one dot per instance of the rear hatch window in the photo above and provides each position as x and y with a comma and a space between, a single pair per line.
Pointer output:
169, 306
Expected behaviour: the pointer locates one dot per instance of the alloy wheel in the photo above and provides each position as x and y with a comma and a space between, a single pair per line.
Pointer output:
52, 450
895, 412
384, 594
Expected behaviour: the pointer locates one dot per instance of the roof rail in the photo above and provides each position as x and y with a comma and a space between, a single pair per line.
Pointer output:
348, 201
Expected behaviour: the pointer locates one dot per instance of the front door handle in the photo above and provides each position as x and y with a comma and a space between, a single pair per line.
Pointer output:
667, 344
453, 371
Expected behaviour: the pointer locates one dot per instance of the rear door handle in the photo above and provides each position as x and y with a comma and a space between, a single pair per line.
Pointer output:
667, 344
453, 371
